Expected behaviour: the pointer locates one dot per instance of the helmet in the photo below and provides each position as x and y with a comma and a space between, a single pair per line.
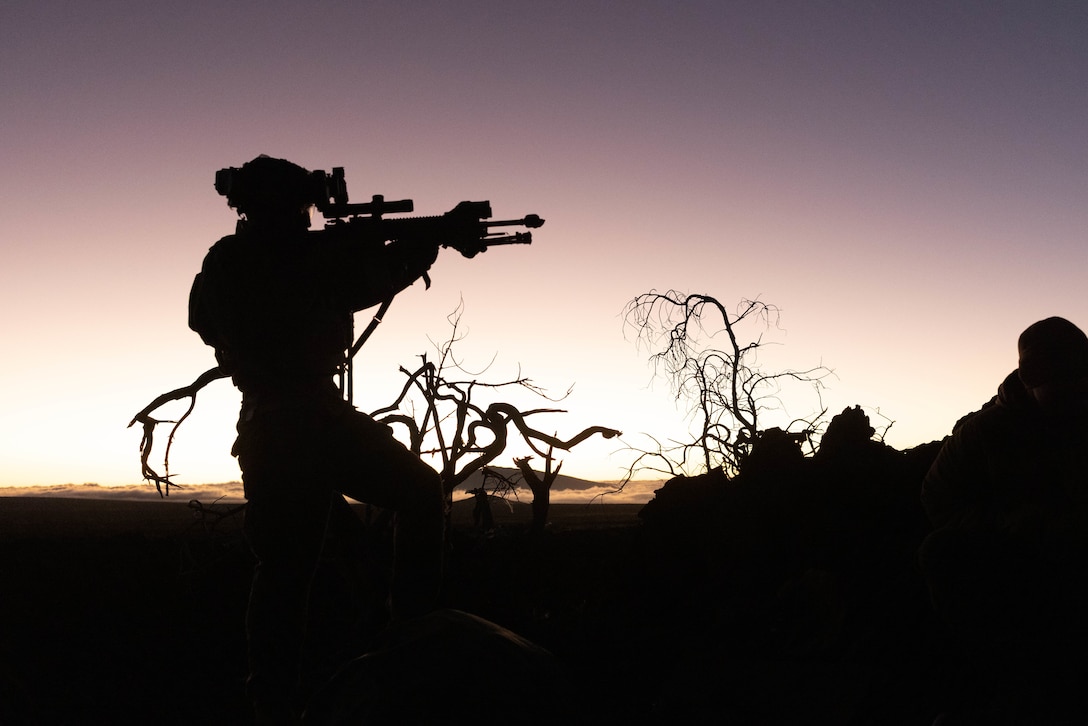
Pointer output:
266, 185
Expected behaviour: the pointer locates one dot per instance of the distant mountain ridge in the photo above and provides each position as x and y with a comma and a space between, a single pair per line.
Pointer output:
562, 482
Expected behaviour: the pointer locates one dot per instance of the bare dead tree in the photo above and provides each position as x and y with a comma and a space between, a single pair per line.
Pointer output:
728, 393
540, 487
443, 419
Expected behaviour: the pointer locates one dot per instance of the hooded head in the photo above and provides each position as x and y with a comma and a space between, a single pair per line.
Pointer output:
1054, 364
1052, 351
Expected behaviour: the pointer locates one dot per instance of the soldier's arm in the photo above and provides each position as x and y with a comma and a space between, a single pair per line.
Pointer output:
373, 276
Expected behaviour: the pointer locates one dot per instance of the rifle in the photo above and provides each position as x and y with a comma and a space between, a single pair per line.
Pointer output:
466, 228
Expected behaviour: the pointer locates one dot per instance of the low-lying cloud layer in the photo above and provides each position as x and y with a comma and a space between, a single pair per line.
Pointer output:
565, 490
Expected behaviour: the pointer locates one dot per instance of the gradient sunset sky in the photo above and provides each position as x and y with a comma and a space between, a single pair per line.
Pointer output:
907, 181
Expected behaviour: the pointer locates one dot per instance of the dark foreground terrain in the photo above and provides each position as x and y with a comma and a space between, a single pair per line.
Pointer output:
132, 612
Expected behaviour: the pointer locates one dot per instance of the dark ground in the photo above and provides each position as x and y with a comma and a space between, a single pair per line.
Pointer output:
133, 613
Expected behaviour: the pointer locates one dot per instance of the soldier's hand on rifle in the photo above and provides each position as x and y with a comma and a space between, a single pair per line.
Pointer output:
424, 255
411, 260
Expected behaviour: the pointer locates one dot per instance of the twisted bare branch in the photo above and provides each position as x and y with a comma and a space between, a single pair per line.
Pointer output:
162, 481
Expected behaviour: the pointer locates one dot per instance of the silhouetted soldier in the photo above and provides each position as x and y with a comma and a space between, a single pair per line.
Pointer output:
276, 304
1008, 500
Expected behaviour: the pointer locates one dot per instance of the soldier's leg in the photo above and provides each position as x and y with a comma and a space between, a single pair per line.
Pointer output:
285, 521
286, 538
379, 470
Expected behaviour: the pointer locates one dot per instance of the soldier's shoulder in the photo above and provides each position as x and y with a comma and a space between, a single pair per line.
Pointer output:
228, 250
995, 427
226, 244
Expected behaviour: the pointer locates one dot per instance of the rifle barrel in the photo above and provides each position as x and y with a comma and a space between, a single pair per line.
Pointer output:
517, 238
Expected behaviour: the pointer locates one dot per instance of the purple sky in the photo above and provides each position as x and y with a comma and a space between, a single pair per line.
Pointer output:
908, 185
